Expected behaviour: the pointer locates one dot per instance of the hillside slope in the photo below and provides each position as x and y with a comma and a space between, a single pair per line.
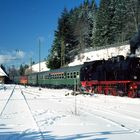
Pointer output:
91, 56
103, 54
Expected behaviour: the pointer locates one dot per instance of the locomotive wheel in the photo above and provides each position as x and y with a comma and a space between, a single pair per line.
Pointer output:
113, 92
99, 90
131, 94
106, 91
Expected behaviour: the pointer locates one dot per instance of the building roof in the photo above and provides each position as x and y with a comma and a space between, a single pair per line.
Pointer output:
2, 73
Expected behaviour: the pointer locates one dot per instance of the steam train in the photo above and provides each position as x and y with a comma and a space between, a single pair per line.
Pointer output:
115, 76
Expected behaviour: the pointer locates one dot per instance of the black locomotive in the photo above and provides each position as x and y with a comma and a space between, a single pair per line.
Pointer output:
115, 76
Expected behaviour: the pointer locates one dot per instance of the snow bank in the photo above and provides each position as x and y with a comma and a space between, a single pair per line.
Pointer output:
101, 54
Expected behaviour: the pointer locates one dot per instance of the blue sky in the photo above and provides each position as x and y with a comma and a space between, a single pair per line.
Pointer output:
23, 22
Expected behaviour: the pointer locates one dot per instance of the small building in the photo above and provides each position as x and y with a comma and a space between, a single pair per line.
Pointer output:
3, 76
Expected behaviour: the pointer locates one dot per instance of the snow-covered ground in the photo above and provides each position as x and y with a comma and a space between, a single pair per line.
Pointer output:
27, 113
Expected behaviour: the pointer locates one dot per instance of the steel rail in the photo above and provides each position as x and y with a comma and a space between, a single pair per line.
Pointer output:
43, 138
7, 101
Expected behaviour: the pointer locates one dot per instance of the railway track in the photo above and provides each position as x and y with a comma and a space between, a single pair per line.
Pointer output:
110, 116
22, 133
4, 107
30, 109
103, 112
100, 111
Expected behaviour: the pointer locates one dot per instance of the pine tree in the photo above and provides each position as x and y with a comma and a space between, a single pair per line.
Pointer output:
125, 20
22, 69
67, 38
54, 58
92, 16
57, 57
117, 20
103, 22
133, 17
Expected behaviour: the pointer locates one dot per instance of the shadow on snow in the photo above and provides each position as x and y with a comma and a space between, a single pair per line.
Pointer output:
9, 134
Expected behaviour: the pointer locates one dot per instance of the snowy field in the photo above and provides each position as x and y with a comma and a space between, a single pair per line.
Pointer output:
27, 113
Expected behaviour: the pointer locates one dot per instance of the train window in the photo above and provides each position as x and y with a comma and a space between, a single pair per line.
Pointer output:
62, 76
74, 74
68, 75
71, 75
56, 76
51, 76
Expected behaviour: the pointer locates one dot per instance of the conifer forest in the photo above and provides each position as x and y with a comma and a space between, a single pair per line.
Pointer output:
91, 26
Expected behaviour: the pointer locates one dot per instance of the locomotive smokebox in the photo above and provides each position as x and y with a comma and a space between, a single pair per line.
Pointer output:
135, 42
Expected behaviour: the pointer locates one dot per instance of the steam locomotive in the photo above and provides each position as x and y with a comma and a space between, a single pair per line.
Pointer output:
115, 76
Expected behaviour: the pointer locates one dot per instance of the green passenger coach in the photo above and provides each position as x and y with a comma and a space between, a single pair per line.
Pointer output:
66, 77
33, 79
60, 78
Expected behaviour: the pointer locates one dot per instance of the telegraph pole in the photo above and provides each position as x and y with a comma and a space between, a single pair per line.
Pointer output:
31, 64
39, 59
39, 54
